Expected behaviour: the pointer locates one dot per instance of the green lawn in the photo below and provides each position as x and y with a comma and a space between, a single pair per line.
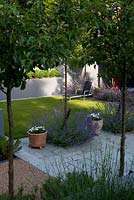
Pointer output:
23, 110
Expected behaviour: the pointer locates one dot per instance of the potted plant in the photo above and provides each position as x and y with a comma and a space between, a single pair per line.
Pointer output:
37, 136
97, 122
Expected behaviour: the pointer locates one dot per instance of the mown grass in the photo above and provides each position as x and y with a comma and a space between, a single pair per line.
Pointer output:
24, 110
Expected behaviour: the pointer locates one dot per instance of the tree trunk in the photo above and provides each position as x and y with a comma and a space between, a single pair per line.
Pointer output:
85, 73
65, 100
99, 76
10, 147
123, 128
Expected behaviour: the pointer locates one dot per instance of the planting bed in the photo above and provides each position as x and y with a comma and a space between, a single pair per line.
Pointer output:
26, 176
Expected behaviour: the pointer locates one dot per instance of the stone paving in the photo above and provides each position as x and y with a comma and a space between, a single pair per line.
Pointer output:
56, 160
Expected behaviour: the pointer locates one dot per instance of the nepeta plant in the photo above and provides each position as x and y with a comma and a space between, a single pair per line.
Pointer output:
111, 114
107, 94
79, 128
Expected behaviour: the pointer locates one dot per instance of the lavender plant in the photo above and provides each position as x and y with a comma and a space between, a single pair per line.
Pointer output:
111, 114
78, 129
108, 94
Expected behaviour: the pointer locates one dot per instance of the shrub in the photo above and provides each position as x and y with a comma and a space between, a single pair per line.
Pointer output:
100, 182
130, 97
109, 94
40, 74
43, 73
77, 130
54, 72
112, 116
79, 186
31, 75
4, 146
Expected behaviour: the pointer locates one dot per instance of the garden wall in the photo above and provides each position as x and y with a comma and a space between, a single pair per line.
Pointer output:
92, 74
38, 88
52, 86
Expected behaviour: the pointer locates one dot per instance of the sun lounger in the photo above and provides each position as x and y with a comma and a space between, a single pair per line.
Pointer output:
86, 92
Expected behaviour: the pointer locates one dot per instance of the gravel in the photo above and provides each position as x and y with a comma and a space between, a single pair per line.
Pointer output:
25, 175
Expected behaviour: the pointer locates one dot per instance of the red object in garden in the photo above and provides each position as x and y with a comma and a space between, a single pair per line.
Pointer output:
116, 84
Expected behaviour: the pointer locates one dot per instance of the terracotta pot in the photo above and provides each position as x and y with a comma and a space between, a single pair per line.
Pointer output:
37, 140
99, 124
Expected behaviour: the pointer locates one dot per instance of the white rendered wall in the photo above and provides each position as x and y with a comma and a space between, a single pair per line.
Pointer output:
38, 88
92, 74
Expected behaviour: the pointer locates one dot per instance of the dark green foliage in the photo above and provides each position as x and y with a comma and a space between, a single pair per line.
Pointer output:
4, 146
77, 186
21, 26
20, 49
60, 188
110, 41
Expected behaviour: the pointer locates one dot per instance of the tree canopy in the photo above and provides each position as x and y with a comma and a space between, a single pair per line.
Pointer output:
110, 42
19, 41
22, 30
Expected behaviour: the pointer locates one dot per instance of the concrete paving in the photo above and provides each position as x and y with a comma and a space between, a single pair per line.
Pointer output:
57, 160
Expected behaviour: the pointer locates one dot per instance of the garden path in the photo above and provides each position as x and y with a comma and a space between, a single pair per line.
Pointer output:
54, 160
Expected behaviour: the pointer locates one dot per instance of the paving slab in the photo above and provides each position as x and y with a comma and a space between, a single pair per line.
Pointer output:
55, 160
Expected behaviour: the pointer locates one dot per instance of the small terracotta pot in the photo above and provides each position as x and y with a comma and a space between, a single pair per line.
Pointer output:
99, 124
37, 140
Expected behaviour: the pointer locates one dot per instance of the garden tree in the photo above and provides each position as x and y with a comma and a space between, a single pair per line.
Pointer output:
64, 22
110, 42
20, 50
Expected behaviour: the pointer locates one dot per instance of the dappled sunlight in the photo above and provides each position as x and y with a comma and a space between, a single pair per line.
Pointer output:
83, 104
25, 110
